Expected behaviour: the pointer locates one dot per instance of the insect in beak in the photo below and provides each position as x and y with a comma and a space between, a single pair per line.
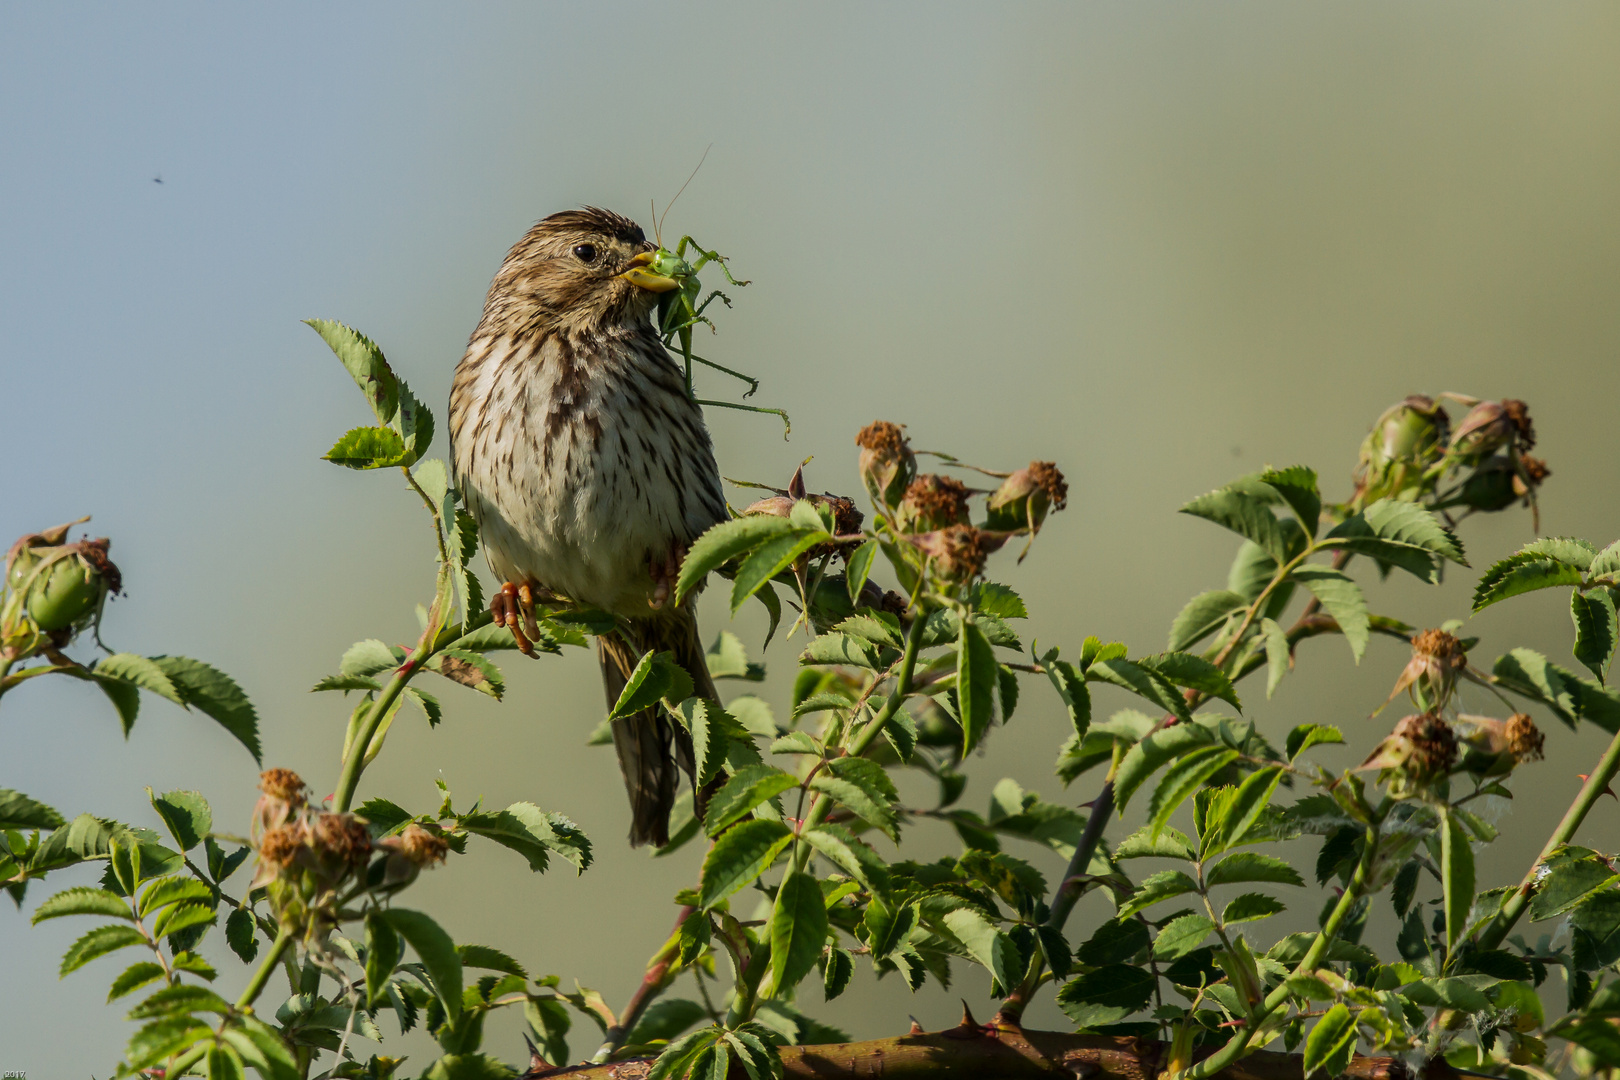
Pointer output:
640, 277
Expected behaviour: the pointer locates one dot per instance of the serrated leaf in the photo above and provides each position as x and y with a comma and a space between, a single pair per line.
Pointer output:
182, 917
345, 683
1456, 876
1305, 736
20, 813
185, 814
771, 558
223, 1063
1245, 866
858, 569
1341, 598
161, 1038
738, 857
855, 857
1071, 688
836, 648
368, 448
975, 685
1329, 1045
657, 677
1151, 752
1245, 515
533, 833
1183, 778
141, 672
184, 998
1277, 654
728, 659
1106, 995
887, 928
1595, 629
436, 951
471, 669
214, 694
1297, 486
134, 977
368, 657
995, 599
1236, 815
798, 929
1181, 936
1143, 682
863, 787
239, 935
1145, 843
1401, 534
1521, 573
1203, 615
1251, 906
1156, 888
987, 945
163, 892
390, 399
384, 950
97, 943
840, 967
1114, 942
1194, 673
722, 543
83, 900
746, 789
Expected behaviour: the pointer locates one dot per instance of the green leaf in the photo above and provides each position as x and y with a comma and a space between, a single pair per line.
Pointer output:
858, 569
747, 788
1245, 515
855, 857
161, 1038
1183, 778
1566, 549
1203, 615
1161, 886
1247, 866
1236, 816
738, 857
798, 928
1181, 936
722, 543
384, 950
239, 935
713, 731
166, 891
182, 917
97, 943
887, 928
134, 977
862, 786
1194, 673
1145, 843
1106, 995
988, 946
1456, 876
390, 399
1297, 485
1521, 573
367, 448
1145, 758
368, 657
216, 695
223, 1063
427, 703
1329, 1045
1305, 736
1251, 906
975, 685
1071, 688
183, 999
20, 813
1595, 629
728, 659
185, 814
1114, 942
657, 677
532, 833
141, 672
836, 648
1572, 876
471, 669
263, 1049
1401, 534
1342, 599
437, 953
83, 900
1143, 682
125, 698
990, 598
1606, 563
771, 558
840, 967
1277, 654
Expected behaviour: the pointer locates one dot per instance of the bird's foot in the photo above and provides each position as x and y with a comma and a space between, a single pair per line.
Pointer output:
513, 607
665, 573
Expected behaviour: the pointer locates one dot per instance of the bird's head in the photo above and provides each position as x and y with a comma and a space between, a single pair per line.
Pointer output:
579, 270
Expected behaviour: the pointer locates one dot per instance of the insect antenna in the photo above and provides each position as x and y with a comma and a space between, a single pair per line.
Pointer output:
658, 225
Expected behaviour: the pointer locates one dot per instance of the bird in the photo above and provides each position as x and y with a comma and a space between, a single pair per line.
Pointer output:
586, 463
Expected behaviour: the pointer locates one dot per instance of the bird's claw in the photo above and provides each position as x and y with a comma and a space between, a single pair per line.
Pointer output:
513, 608
664, 575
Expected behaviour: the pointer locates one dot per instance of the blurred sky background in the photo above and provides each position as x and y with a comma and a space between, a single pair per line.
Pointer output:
1162, 245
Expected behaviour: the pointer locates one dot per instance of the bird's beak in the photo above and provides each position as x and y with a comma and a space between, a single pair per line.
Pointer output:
639, 276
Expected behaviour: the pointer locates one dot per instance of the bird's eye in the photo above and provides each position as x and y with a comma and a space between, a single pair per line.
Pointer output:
585, 253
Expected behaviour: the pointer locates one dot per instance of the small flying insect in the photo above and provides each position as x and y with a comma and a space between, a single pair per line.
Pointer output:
681, 304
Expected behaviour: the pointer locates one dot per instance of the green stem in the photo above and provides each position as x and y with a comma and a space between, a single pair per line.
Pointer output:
1238, 1047
255, 987
1607, 767
354, 765
822, 806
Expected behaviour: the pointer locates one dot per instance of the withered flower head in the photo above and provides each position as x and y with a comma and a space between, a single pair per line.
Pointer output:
772, 506
886, 463
421, 846
933, 502
283, 784
1025, 498
1524, 739
1535, 471
1431, 674
959, 552
1420, 750
343, 837
279, 846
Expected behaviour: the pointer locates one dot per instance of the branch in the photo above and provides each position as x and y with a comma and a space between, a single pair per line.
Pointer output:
1005, 1052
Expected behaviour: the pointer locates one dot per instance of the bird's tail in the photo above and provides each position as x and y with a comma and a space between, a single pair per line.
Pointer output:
653, 749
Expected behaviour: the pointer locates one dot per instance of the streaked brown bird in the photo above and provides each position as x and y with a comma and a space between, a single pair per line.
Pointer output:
588, 466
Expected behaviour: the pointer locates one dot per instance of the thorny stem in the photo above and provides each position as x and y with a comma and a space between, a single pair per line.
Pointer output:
652, 984
1608, 765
